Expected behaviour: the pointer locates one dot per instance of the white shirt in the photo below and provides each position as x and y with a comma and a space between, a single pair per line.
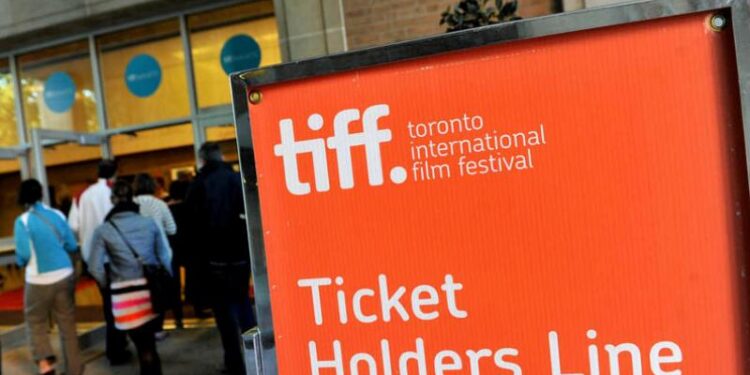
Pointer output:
93, 207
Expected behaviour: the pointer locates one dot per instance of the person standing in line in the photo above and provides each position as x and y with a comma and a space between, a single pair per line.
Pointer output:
128, 241
155, 208
93, 206
44, 243
184, 252
151, 206
217, 229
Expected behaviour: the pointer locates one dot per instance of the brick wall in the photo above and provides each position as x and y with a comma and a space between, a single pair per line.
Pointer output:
375, 22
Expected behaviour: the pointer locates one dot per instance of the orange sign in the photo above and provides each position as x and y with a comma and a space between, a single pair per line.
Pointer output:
569, 205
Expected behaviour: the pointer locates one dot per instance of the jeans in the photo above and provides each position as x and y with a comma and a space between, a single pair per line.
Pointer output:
232, 310
59, 300
145, 343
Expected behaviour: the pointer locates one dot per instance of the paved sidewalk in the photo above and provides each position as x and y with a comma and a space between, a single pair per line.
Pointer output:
185, 352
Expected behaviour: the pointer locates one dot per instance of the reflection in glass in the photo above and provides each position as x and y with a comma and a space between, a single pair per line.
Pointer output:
220, 133
143, 72
152, 140
8, 128
58, 88
9, 209
209, 34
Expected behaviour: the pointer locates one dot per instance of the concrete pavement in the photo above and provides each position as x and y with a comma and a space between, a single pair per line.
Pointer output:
189, 351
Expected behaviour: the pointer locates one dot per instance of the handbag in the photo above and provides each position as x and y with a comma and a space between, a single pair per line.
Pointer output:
159, 280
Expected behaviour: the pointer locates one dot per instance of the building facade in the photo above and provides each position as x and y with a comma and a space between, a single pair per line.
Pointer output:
145, 81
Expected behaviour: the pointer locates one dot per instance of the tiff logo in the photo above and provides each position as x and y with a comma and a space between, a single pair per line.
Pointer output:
342, 142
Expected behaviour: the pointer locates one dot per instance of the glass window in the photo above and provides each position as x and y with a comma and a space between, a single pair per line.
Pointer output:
66, 153
9, 209
71, 168
165, 153
8, 129
152, 140
9, 165
220, 133
58, 88
143, 73
231, 39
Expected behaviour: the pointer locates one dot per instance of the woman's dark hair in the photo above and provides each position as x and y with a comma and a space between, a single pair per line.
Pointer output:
122, 191
144, 184
107, 168
29, 192
178, 190
210, 151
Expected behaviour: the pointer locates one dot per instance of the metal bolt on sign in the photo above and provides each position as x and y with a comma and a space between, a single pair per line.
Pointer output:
255, 97
718, 22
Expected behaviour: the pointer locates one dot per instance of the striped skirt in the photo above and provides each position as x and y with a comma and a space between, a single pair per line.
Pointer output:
131, 304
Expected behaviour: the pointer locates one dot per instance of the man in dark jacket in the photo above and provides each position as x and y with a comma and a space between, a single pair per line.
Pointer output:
218, 230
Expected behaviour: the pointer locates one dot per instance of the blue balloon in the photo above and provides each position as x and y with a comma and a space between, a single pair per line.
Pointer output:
240, 52
143, 75
59, 92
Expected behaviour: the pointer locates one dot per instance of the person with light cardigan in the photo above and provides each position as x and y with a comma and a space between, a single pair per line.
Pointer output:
155, 208
127, 241
43, 244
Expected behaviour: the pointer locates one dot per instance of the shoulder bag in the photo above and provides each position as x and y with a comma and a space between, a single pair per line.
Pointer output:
158, 278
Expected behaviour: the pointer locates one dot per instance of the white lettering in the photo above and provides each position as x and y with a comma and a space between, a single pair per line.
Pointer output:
315, 285
357, 305
441, 367
336, 363
417, 302
504, 364
450, 289
366, 358
417, 356
554, 352
675, 356
475, 356
614, 362
389, 302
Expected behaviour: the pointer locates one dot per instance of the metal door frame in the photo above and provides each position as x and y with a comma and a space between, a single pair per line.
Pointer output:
46, 137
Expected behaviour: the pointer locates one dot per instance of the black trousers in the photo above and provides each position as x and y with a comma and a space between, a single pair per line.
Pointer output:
117, 341
197, 291
145, 343
177, 293
175, 299
233, 310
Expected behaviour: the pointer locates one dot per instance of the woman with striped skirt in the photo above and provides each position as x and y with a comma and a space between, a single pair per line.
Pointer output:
127, 241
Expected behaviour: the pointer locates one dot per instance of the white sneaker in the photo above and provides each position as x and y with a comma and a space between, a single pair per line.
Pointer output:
161, 335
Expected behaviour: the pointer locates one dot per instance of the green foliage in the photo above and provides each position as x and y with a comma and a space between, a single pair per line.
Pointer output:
474, 13
8, 135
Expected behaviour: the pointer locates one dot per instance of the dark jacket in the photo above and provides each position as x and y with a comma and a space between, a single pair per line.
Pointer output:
217, 215
108, 246
180, 241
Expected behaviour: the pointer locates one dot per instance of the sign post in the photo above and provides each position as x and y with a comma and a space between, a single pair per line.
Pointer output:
563, 195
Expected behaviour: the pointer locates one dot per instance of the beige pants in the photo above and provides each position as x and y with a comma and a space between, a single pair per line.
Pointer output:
57, 300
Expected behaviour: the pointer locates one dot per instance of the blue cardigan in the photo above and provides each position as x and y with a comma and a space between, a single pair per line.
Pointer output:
50, 252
